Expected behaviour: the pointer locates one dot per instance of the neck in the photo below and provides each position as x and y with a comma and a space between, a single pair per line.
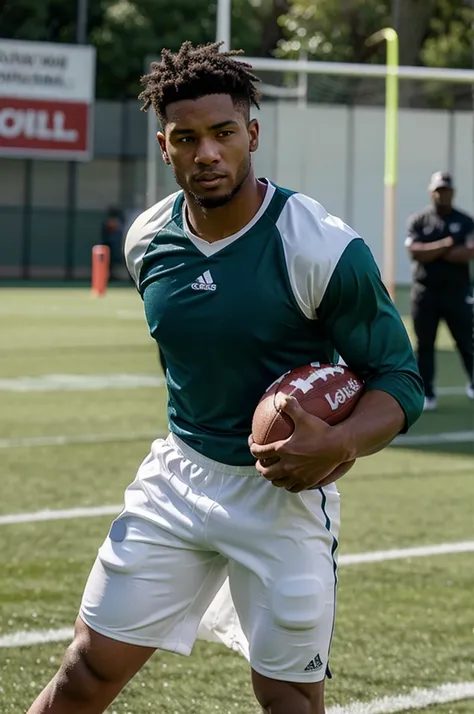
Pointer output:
212, 224
443, 210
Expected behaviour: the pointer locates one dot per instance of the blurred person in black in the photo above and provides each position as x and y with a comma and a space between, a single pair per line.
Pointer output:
440, 242
112, 235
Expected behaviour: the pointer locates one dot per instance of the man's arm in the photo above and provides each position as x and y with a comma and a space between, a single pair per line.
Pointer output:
428, 252
377, 419
369, 334
461, 253
418, 249
365, 328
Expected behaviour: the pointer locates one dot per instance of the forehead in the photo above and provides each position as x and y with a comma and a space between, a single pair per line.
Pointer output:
201, 113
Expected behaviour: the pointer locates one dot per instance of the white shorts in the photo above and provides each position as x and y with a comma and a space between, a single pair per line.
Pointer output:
190, 523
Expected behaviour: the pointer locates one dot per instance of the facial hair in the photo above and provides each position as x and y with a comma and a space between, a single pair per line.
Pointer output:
210, 202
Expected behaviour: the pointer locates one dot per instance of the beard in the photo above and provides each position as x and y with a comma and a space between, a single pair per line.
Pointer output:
210, 202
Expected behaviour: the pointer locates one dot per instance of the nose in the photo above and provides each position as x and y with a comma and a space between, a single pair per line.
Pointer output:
207, 152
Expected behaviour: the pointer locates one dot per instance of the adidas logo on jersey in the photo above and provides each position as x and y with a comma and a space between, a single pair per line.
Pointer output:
204, 282
314, 665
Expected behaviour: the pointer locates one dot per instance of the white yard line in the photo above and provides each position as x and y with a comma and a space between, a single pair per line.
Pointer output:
390, 704
423, 551
417, 699
447, 437
348, 559
25, 638
61, 311
450, 391
455, 437
79, 382
66, 439
85, 382
59, 514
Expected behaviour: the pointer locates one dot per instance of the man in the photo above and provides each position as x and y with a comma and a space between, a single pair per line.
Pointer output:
241, 281
441, 243
112, 232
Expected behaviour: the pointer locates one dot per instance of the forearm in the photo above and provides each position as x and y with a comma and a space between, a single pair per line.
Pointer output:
459, 254
375, 422
428, 252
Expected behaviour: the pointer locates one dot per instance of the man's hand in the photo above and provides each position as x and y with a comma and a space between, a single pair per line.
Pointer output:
428, 252
461, 253
311, 457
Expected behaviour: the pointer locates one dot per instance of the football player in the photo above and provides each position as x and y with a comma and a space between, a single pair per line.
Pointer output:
242, 280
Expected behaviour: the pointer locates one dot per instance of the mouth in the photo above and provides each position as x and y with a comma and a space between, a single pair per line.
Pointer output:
209, 180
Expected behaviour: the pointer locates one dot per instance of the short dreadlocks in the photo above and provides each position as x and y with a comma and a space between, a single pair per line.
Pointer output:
194, 72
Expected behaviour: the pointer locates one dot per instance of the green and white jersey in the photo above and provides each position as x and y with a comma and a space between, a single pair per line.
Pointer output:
295, 286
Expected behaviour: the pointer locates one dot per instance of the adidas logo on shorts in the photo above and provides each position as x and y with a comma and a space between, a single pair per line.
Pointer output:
314, 665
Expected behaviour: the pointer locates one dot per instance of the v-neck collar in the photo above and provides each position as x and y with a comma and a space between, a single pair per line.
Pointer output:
209, 249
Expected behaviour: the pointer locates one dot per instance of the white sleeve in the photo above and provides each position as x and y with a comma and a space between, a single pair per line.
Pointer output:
313, 241
143, 230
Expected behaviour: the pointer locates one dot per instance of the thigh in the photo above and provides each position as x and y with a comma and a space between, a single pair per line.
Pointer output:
425, 315
150, 588
459, 316
284, 582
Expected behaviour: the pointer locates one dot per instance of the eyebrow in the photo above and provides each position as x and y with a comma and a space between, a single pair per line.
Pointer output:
219, 125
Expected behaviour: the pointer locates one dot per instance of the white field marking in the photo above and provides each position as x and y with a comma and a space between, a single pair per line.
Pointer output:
59, 514
131, 315
422, 551
79, 382
376, 556
66, 439
23, 638
416, 699
450, 391
86, 382
448, 437
60, 311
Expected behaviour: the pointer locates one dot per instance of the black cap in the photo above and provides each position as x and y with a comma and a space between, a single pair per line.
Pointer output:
441, 179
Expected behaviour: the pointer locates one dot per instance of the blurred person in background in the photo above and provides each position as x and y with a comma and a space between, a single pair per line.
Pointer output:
440, 242
112, 235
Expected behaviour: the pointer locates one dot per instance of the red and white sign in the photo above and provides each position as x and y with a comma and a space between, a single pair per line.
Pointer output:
46, 100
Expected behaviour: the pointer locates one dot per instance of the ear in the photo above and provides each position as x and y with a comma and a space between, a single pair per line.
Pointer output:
162, 142
254, 133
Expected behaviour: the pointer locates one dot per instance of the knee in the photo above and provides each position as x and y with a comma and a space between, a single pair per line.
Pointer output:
276, 697
78, 680
426, 342
293, 702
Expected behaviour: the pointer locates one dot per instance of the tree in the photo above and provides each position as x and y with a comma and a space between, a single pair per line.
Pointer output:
431, 32
450, 42
125, 32
337, 30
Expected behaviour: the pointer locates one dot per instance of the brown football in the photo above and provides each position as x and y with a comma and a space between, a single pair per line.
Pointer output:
328, 391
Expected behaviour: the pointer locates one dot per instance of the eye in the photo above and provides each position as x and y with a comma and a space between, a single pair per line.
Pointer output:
225, 133
186, 140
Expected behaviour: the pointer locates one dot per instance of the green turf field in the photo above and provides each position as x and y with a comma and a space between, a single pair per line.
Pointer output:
402, 623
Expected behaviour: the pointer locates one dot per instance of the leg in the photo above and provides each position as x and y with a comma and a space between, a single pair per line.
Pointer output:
282, 576
149, 588
93, 672
459, 316
288, 697
425, 322
141, 595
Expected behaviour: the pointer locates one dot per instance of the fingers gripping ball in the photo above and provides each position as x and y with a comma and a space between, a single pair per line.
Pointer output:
327, 391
